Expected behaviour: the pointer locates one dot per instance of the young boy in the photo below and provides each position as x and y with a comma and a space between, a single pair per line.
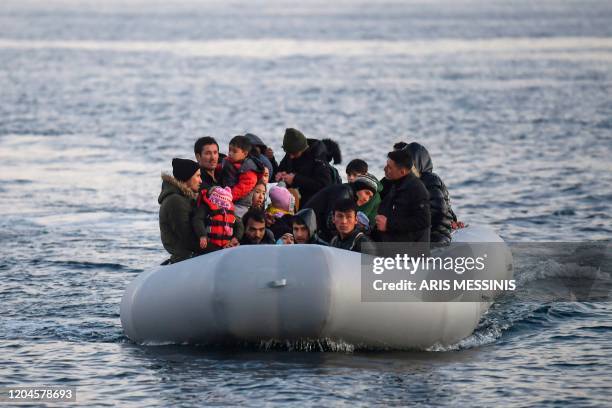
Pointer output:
240, 171
356, 168
348, 236
214, 221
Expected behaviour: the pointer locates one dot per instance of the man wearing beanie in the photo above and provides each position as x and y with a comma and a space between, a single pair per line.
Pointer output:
305, 165
177, 202
361, 191
403, 215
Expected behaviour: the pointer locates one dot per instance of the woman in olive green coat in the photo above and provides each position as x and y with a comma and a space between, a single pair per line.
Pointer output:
177, 203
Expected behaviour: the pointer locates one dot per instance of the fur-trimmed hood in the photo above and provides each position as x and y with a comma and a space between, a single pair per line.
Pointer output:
171, 185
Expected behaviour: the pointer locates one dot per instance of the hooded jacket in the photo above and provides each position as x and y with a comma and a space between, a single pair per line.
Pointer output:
406, 207
442, 214
271, 164
177, 203
312, 172
307, 217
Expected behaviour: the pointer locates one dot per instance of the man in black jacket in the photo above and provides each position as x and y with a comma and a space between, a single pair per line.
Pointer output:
403, 215
442, 215
305, 165
206, 151
255, 231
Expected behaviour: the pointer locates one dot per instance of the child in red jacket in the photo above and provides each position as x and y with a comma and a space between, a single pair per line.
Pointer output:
240, 171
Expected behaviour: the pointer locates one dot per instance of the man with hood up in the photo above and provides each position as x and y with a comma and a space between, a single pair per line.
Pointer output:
442, 215
304, 226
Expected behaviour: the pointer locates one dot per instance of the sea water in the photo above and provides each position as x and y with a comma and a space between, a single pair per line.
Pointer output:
512, 99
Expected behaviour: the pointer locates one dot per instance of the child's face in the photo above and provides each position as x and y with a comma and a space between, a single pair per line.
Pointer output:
259, 195
237, 154
266, 175
363, 196
352, 176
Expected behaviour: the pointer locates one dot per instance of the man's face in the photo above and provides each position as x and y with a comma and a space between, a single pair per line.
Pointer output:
208, 157
194, 182
393, 171
255, 230
345, 221
300, 233
297, 155
363, 196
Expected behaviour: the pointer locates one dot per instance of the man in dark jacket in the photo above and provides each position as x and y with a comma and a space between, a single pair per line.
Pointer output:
177, 202
361, 191
304, 226
404, 212
304, 166
255, 231
442, 215
206, 150
348, 236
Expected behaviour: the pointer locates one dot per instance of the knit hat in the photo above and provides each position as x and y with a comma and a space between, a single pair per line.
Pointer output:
294, 141
366, 182
282, 199
221, 197
184, 169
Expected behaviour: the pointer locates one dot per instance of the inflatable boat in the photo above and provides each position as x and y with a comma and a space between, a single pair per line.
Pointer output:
265, 293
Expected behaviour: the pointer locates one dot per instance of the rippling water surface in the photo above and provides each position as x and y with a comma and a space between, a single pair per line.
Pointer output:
512, 100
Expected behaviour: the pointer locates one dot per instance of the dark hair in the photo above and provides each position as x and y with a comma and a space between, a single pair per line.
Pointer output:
254, 213
402, 158
345, 204
357, 166
400, 146
333, 151
241, 142
204, 141
299, 221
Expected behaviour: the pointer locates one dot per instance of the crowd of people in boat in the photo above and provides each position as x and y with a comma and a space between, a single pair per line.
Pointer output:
247, 198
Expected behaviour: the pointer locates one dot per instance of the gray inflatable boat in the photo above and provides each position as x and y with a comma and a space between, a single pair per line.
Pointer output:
265, 293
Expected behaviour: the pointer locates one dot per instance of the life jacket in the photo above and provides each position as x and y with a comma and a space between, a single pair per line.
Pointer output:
220, 222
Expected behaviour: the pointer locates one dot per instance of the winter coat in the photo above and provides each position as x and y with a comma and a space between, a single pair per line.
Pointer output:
322, 204
309, 218
406, 207
442, 214
312, 172
177, 204
370, 209
354, 242
241, 178
208, 181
